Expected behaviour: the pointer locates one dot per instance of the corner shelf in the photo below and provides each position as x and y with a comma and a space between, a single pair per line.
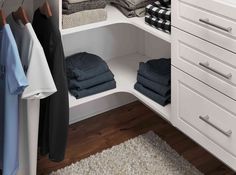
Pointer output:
114, 16
125, 71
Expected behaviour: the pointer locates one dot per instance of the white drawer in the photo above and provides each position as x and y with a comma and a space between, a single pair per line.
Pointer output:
205, 115
209, 63
189, 15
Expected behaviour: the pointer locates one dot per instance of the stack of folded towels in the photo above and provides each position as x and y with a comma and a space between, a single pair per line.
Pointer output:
88, 74
153, 80
80, 12
158, 15
131, 8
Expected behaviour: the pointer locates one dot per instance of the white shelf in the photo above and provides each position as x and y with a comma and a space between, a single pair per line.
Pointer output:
116, 17
125, 71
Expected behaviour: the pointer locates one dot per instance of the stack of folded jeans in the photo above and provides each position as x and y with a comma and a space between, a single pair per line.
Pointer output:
153, 80
88, 74
158, 15
80, 12
131, 8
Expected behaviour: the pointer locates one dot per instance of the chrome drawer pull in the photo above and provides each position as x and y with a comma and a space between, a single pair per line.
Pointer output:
207, 120
207, 21
206, 65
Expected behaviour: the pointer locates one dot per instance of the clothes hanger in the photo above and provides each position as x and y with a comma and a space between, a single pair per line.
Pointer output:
45, 9
2, 16
21, 14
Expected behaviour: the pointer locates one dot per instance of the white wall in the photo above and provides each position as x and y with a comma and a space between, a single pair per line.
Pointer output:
30, 6
13, 5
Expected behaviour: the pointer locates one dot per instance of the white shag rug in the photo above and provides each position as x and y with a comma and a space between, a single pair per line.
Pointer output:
146, 154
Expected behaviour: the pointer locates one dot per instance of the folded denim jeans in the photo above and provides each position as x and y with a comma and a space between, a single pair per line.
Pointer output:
163, 101
157, 70
84, 84
83, 66
156, 87
93, 90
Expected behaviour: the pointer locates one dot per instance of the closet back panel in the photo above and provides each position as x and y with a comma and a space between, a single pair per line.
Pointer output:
116, 41
155, 47
107, 42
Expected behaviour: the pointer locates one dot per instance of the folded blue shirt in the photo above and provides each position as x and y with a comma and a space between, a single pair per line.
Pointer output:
83, 66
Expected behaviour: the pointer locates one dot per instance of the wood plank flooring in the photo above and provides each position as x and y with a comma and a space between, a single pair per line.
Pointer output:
114, 127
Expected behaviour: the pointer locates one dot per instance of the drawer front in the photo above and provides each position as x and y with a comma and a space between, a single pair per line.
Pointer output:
212, 20
204, 114
209, 63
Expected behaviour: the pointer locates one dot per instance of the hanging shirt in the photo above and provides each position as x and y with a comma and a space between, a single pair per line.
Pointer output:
12, 83
41, 85
54, 110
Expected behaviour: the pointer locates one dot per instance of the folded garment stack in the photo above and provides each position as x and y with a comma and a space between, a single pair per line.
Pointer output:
153, 80
131, 8
158, 15
88, 74
81, 12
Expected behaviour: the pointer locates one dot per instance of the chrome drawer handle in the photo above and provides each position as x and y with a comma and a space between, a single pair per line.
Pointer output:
207, 21
207, 120
207, 66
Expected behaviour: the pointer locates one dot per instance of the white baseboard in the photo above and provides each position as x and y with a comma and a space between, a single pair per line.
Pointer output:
99, 106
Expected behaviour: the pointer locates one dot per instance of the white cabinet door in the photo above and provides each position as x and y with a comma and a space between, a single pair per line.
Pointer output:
205, 115
212, 20
207, 62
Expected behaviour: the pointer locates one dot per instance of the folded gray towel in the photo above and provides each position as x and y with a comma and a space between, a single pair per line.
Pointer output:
79, 85
69, 8
75, 1
157, 70
93, 90
156, 87
83, 17
131, 13
152, 95
136, 2
129, 5
84, 66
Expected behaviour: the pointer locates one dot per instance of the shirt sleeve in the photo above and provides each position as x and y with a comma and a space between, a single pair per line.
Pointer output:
41, 84
16, 79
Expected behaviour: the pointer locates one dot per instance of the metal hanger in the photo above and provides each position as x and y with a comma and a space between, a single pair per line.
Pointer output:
45, 9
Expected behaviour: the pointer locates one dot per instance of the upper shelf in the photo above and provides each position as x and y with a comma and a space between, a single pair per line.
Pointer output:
114, 16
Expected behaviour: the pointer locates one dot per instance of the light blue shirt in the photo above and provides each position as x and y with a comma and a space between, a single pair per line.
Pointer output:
12, 83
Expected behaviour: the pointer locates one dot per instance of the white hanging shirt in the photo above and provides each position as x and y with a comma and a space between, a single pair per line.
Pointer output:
41, 85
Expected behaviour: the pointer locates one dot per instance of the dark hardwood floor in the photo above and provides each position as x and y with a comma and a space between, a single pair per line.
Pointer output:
114, 127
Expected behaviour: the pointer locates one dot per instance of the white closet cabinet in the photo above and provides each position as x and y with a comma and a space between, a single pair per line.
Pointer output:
203, 74
122, 43
122, 46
